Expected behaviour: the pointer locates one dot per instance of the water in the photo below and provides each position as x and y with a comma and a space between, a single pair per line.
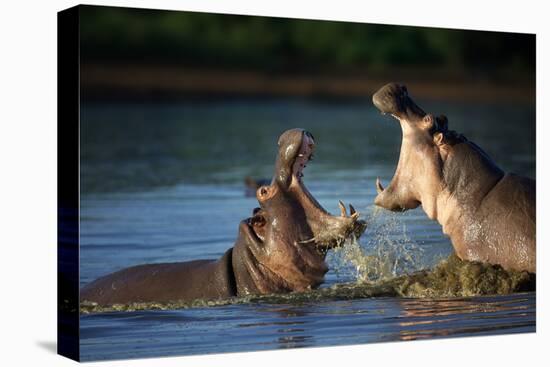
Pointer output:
164, 183
253, 327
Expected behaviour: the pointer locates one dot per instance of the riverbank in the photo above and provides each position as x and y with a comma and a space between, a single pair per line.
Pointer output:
123, 82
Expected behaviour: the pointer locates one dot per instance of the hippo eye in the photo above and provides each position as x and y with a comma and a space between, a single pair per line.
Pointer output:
258, 221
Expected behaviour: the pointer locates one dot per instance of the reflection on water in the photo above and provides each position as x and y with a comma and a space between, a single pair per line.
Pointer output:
265, 326
163, 183
430, 318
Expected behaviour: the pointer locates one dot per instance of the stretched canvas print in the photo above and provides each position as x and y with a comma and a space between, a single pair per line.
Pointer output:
239, 183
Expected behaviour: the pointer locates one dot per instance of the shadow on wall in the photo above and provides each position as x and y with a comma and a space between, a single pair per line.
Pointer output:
48, 345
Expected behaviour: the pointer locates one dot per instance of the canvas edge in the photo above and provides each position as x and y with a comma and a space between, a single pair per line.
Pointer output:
68, 121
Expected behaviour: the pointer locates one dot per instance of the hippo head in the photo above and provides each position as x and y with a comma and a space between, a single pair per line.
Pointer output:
489, 215
290, 234
426, 143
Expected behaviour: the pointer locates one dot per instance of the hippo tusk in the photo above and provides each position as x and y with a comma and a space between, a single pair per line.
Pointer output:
313, 241
352, 209
379, 187
304, 242
343, 212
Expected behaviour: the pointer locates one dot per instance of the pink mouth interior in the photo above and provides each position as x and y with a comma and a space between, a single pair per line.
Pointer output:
304, 156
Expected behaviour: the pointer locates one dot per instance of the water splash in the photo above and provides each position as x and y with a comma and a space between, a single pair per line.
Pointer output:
450, 278
387, 263
384, 252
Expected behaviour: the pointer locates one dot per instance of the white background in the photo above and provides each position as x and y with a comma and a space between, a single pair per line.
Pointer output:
28, 182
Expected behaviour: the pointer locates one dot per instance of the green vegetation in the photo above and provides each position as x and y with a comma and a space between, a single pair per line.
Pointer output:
457, 278
137, 36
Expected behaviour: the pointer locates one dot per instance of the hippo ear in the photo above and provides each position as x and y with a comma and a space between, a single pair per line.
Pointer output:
428, 122
439, 139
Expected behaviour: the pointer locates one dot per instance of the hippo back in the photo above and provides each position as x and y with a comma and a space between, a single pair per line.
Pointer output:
201, 279
510, 210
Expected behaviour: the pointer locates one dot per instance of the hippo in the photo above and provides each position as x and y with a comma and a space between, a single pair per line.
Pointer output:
488, 214
281, 248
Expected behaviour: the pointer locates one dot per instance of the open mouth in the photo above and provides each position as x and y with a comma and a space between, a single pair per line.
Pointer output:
394, 99
391, 99
304, 156
317, 226
256, 225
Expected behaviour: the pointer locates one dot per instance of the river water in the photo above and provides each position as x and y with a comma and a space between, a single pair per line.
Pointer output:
164, 183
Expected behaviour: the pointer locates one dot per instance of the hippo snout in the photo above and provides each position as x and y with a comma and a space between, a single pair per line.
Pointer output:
390, 98
393, 98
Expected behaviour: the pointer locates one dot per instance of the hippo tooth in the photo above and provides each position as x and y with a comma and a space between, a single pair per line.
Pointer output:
342, 208
379, 187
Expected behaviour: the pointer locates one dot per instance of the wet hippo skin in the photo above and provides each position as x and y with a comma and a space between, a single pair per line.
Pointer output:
281, 248
488, 214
